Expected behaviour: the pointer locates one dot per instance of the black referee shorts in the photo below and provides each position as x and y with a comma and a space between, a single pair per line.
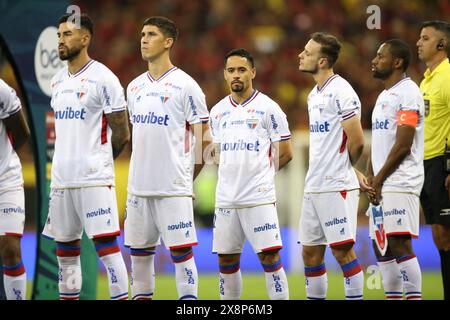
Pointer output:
434, 197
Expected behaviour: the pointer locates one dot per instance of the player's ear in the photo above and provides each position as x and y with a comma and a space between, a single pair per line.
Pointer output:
253, 72
85, 37
398, 63
168, 43
323, 63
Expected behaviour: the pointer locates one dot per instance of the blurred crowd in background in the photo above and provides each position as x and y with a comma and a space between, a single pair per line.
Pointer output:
274, 31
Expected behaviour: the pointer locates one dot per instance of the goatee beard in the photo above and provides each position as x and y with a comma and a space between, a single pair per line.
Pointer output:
71, 54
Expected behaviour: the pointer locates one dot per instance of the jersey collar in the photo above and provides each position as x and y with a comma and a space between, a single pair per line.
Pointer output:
84, 68
165, 74
334, 76
444, 64
396, 84
246, 102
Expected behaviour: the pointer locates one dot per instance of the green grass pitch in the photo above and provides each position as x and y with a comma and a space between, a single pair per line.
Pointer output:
254, 287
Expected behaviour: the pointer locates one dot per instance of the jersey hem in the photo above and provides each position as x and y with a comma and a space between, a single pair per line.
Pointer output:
329, 191
417, 194
159, 195
82, 186
217, 206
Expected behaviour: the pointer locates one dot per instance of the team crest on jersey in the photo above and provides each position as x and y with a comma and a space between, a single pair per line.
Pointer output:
165, 96
81, 93
252, 123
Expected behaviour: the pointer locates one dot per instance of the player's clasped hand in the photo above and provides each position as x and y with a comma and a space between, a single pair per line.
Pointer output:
375, 195
366, 186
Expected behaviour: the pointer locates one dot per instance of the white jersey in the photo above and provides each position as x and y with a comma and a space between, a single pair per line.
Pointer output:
403, 96
245, 133
83, 152
161, 112
329, 161
10, 168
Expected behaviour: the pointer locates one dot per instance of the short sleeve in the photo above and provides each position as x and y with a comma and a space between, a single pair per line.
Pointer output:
214, 126
130, 99
195, 104
9, 102
347, 103
410, 107
410, 102
111, 94
277, 124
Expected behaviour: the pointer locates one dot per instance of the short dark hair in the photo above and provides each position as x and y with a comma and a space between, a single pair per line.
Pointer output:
167, 26
438, 25
400, 49
85, 21
441, 26
330, 46
241, 52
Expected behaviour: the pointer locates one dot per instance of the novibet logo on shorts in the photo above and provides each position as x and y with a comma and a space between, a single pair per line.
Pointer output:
181, 225
13, 210
265, 227
98, 212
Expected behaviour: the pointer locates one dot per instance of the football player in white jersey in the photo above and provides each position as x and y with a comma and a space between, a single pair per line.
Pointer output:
330, 202
396, 168
169, 116
252, 142
91, 128
14, 132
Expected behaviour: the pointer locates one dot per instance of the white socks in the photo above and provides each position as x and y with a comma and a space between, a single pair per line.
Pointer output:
391, 277
69, 275
15, 282
112, 259
230, 285
316, 282
276, 281
142, 274
186, 276
353, 280
412, 277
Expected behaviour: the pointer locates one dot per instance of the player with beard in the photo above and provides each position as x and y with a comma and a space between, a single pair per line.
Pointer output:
91, 130
395, 168
330, 202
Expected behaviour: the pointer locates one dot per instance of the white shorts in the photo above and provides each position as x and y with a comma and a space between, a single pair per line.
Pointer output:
257, 224
400, 214
93, 209
328, 218
12, 212
148, 219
